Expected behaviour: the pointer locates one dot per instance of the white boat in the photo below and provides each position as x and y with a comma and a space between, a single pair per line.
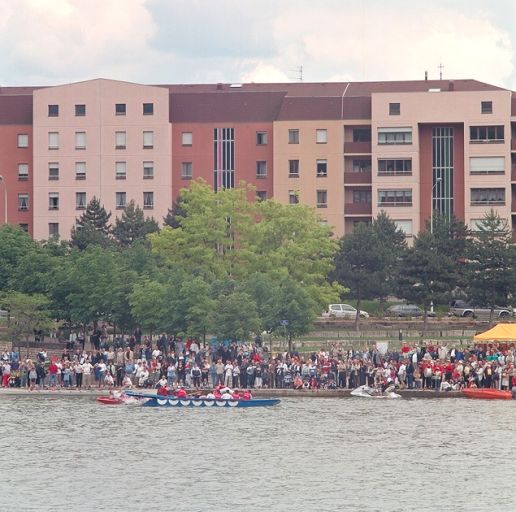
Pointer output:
367, 392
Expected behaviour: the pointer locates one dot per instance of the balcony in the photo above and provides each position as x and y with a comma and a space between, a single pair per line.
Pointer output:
358, 209
357, 147
357, 178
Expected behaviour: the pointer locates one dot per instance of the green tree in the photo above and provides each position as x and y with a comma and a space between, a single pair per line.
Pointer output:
92, 227
149, 305
224, 236
93, 281
176, 213
452, 238
236, 317
491, 263
133, 225
392, 241
425, 273
28, 313
15, 245
360, 264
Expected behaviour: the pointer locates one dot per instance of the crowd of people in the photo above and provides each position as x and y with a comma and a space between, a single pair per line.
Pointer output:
138, 361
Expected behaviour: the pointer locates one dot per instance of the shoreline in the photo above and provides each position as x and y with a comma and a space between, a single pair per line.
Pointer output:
257, 393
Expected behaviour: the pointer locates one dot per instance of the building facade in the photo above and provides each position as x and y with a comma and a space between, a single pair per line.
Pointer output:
350, 150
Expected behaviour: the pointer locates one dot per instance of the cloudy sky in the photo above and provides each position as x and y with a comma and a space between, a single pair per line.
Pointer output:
47, 42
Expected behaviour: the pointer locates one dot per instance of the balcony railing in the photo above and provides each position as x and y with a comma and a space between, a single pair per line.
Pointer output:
358, 209
353, 178
357, 147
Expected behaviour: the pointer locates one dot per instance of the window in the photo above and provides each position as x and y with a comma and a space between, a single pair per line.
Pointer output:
80, 170
121, 200
261, 169
486, 134
401, 167
80, 200
186, 139
405, 226
80, 110
53, 111
293, 197
148, 140
53, 171
487, 196
261, 138
293, 136
293, 168
486, 107
148, 170
322, 199
53, 201
394, 135
148, 109
361, 134
120, 140
361, 165
322, 168
23, 172
148, 200
186, 170
25, 227
53, 140
394, 109
487, 165
23, 140
120, 170
53, 229
80, 140
120, 109
23, 202
261, 195
321, 136
395, 198
361, 196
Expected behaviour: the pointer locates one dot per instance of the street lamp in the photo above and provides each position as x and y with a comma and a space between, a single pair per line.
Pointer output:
5, 198
437, 180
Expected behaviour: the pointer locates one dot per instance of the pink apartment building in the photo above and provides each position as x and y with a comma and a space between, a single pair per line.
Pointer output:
350, 150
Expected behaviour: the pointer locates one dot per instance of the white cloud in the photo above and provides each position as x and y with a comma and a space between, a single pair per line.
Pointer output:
66, 39
159, 41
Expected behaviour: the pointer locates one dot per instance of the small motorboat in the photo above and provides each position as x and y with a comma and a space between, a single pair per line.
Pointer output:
153, 400
110, 400
368, 392
487, 393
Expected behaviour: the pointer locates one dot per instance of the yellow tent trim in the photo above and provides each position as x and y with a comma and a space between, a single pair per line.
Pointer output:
500, 332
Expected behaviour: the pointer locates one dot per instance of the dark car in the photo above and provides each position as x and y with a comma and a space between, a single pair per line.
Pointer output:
406, 310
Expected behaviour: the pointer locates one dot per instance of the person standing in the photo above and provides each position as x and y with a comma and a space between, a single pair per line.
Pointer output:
78, 371
6, 374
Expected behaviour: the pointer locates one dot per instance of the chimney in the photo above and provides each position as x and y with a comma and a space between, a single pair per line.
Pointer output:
451, 85
426, 76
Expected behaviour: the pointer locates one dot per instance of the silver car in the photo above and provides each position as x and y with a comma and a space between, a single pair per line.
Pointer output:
344, 311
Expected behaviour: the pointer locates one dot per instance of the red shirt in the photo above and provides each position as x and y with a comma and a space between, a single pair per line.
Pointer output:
52, 368
181, 393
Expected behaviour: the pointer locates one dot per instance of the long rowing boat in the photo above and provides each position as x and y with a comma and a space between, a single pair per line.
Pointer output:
153, 400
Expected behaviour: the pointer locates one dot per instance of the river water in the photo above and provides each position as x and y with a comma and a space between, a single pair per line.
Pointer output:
303, 455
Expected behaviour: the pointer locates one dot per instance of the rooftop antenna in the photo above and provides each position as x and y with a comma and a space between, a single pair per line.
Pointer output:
440, 67
298, 73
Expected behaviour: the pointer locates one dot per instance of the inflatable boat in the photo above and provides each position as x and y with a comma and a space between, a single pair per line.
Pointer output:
153, 400
487, 394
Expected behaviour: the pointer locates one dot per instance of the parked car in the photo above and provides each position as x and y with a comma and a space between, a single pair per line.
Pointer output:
406, 310
344, 311
463, 309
